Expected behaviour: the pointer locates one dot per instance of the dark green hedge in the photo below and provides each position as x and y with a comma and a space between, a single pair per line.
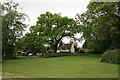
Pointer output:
111, 56
55, 54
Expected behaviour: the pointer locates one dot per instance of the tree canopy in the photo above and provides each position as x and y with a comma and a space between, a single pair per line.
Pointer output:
52, 28
12, 26
100, 25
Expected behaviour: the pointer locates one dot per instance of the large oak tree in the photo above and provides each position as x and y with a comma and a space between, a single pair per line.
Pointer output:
53, 28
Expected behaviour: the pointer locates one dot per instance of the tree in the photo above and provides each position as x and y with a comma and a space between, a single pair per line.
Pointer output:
52, 28
100, 25
12, 26
33, 43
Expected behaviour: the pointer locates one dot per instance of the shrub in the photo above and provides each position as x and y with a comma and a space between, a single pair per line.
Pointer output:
55, 54
46, 54
81, 51
65, 54
111, 56
50, 51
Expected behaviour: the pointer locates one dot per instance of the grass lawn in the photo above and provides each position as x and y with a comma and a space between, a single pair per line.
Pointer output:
59, 67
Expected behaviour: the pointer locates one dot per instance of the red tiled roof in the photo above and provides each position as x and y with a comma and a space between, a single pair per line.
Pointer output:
86, 50
64, 46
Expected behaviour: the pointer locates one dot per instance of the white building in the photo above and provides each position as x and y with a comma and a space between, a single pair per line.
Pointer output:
66, 48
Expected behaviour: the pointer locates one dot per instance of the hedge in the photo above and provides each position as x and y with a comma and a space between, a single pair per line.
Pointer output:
111, 56
55, 54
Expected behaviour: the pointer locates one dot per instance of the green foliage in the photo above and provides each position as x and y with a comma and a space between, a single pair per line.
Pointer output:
64, 54
47, 55
12, 26
52, 28
111, 56
47, 33
31, 43
81, 50
51, 55
51, 51
100, 26
55, 54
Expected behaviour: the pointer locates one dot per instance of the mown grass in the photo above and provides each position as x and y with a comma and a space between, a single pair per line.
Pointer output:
82, 66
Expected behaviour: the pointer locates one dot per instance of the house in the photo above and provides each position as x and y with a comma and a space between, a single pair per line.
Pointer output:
66, 48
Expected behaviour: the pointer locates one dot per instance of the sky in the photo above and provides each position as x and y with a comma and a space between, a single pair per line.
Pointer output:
69, 8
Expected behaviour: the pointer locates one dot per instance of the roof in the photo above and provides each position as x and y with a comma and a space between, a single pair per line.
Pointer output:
86, 50
65, 46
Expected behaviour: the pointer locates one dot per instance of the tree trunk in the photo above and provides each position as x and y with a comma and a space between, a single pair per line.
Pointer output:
55, 48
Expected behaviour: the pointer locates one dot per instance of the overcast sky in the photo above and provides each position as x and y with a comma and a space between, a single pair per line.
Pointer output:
69, 8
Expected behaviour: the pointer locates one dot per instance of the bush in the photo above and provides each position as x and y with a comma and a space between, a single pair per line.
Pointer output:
81, 51
50, 54
46, 54
55, 54
65, 54
96, 52
50, 51
111, 56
